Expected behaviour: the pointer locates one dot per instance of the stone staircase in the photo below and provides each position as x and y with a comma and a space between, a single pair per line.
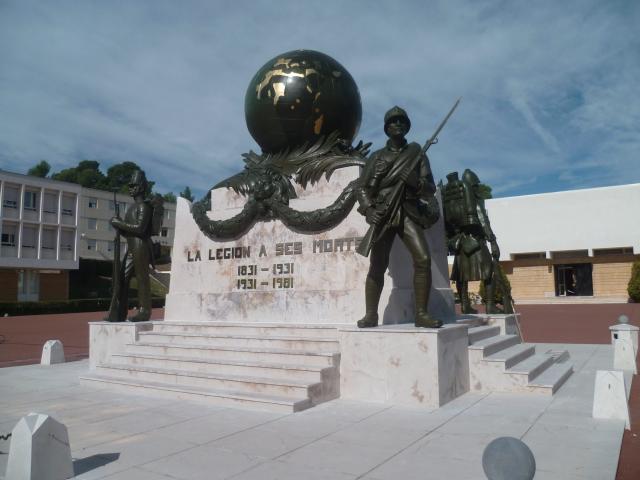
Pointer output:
279, 367
499, 361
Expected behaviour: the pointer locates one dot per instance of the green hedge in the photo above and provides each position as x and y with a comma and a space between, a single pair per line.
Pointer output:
634, 283
66, 306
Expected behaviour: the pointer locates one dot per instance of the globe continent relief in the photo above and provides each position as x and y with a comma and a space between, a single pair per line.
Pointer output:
298, 96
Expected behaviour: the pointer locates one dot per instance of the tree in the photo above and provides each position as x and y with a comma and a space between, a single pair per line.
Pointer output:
118, 176
87, 174
169, 197
186, 193
41, 170
634, 282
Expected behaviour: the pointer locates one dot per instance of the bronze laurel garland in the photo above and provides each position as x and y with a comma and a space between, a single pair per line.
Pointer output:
266, 182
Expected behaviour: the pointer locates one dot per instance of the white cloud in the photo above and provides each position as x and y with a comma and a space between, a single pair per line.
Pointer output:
548, 87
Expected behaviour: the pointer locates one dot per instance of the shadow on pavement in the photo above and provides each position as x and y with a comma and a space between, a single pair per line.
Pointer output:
84, 465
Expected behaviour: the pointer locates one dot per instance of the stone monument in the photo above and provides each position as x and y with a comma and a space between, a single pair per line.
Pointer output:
277, 242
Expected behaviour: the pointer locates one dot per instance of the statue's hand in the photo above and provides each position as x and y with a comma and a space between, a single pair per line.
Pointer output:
374, 216
115, 222
495, 251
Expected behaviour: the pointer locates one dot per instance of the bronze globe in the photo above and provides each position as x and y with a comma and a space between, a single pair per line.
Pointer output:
298, 96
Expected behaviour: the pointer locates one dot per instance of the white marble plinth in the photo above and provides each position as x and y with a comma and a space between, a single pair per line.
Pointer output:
624, 355
274, 274
610, 396
39, 450
52, 352
627, 333
403, 365
107, 338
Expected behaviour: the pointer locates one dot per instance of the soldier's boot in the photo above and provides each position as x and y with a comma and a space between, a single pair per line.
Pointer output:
421, 289
143, 315
372, 291
489, 288
465, 303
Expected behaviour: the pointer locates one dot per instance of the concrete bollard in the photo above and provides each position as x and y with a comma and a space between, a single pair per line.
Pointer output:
52, 352
39, 450
624, 338
610, 397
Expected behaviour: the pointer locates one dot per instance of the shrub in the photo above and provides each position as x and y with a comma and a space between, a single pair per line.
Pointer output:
634, 283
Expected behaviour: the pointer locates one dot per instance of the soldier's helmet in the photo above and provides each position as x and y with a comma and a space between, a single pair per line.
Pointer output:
470, 177
396, 112
138, 178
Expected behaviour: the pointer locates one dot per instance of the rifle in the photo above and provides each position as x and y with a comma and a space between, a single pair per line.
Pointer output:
116, 281
376, 230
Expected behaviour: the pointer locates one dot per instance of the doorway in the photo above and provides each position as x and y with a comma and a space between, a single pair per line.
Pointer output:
28, 286
574, 280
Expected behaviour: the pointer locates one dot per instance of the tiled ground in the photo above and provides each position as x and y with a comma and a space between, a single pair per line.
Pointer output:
118, 436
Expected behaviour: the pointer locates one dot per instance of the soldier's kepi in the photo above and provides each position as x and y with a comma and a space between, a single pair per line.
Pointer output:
396, 194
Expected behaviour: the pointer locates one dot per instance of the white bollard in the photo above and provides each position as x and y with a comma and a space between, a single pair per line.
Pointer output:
610, 397
52, 352
39, 450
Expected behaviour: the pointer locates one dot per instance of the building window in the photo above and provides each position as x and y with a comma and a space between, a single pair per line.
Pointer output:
29, 237
48, 239
50, 203
109, 246
164, 232
612, 251
67, 240
10, 204
167, 214
574, 279
93, 202
28, 286
92, 244
529, 256
9, 239
112, 205
30, 200
92, 224
570, 254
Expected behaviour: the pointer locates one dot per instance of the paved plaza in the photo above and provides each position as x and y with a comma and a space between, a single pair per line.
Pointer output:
122, 436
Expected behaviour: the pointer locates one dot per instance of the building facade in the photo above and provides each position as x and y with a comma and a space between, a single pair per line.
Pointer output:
39, 232
48, 226
576, 245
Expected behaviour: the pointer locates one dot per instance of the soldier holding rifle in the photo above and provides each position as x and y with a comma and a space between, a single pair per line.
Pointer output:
396, 195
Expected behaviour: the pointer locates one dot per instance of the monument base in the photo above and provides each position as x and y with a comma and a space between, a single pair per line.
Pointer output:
401, 364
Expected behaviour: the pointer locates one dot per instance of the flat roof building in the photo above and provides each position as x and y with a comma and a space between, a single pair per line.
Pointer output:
572, 245
47, 227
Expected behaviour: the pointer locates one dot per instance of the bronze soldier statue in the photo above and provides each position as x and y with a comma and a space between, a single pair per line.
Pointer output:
396, 195
141, 220
468, 231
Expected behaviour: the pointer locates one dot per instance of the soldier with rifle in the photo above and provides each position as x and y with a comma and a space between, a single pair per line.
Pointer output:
141, 220
396, 195
468, 231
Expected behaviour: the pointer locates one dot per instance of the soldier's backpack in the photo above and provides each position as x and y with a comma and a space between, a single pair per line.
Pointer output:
157, 204
459, 203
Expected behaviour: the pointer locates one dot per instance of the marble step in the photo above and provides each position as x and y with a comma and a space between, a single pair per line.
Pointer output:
252, 329
480, 333
532, 366
273, 355
214, 381
285, 342
512, 355
225, 398
549, 381
489, 346
306, 373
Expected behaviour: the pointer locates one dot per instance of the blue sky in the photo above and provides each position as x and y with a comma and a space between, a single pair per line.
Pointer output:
550, 89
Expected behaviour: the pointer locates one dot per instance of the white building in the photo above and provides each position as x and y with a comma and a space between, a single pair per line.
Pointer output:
39, 232
573, 243
48, 226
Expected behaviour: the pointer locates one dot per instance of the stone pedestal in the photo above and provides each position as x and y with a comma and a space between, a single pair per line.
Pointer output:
273, 274
625, 346
404, 365
107, 338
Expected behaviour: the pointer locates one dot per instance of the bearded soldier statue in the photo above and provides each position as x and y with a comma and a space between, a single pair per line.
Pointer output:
468, 231
396, 195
